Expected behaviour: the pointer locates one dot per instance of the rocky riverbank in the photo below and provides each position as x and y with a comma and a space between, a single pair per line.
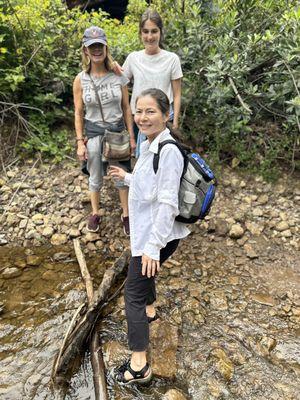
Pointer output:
229, 298
49, 203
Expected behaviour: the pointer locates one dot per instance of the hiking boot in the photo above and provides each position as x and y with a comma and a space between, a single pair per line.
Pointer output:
125, 222
93, 223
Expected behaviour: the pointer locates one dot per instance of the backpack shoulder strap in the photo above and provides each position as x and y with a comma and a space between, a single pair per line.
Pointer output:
160, 146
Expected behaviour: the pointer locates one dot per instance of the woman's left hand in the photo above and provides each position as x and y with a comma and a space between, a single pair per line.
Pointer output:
116, 172
149, 266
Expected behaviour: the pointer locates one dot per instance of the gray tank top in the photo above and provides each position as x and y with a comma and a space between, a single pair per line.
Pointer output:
110, 92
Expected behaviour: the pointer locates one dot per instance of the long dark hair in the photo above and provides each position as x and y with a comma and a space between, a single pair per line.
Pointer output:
153, 16
163, 104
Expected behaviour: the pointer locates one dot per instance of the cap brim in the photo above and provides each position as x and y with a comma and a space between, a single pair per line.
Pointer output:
93, 41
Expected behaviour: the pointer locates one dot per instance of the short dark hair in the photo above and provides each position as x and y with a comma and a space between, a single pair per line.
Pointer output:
159, 96
153, 16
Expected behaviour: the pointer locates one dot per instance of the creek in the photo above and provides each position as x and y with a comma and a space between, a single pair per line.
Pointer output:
232, 325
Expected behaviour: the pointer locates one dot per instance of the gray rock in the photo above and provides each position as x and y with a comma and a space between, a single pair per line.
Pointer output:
164, 343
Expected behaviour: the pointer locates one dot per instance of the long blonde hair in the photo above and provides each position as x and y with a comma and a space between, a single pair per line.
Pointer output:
86, 62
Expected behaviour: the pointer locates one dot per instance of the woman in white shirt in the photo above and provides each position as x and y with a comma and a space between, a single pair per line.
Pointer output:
153, 206
154, 67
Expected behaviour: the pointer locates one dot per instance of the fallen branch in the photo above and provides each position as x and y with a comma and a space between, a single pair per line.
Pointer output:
77, 337
243, 104
95, 350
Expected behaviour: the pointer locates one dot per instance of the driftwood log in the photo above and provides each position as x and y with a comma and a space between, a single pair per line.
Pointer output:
95, 349
85, 319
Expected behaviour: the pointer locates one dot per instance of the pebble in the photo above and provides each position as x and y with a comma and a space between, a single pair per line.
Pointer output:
236, 231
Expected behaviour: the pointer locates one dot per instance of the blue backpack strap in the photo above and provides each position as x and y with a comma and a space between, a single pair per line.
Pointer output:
160, 146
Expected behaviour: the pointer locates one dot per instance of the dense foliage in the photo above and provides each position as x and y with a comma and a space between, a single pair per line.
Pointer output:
241, 98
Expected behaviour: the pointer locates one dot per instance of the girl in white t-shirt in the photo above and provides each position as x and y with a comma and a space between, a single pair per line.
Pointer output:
154, 67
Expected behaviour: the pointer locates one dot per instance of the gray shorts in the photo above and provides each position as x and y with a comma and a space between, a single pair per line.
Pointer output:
97, 168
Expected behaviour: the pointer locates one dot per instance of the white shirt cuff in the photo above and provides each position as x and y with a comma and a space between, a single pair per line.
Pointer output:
152, 251
127, 178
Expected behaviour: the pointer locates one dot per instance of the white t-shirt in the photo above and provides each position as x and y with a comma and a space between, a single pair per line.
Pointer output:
152, 71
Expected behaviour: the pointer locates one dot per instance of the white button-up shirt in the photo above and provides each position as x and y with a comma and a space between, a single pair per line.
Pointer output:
153, 198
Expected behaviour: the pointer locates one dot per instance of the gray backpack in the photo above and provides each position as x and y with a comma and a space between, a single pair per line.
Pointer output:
197, 187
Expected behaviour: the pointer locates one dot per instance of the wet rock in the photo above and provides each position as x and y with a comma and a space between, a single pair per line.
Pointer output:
223, 363
164, 343
61, 256
3, 240
174, 394
114, 353
33, 260
236, 231
11, 273
59, 239
49, 276
20, 263
264, 299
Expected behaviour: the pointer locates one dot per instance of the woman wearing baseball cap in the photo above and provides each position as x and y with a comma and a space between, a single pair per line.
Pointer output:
95, 82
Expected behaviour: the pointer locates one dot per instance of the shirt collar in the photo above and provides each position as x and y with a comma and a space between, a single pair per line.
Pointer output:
164, 135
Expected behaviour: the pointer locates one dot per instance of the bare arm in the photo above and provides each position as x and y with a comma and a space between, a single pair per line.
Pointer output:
79, 111
128, 116
176, 87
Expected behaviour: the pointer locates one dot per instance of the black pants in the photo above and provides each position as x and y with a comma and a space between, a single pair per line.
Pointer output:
139, 292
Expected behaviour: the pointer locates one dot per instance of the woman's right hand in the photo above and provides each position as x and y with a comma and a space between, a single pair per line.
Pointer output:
81, 151
116, 172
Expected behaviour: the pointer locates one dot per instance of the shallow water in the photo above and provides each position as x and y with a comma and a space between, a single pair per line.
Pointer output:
225, 338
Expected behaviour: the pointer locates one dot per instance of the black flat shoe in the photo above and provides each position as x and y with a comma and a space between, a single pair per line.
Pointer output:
137, 376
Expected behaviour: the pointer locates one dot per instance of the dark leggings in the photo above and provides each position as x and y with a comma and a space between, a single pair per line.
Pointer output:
139, 292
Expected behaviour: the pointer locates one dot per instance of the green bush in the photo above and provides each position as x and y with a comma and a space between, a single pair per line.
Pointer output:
40, 44
240, 61
241, 74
